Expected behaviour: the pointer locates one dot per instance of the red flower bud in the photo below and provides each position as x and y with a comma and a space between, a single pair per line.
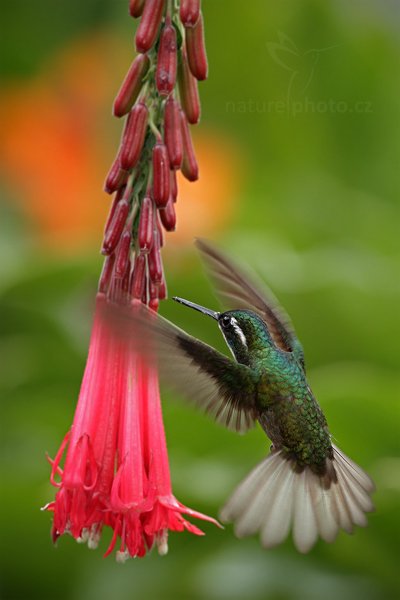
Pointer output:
168, 216
145, 294
154, 304
126, 192
106, 273
162, 290
196, 50
116, 177
161, 175
138, 276
131, 86
157, 291
173, 133
146, 225
166, 60
188, 92
134, 135
125, 282
155, 262
153, 290
114, 230
123, 254
114, 204
190, 169
189, 12
160, 230
174, 183
136, 8
149, 24
154, 294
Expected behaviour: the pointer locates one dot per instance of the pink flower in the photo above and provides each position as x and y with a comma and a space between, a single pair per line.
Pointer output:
116, 470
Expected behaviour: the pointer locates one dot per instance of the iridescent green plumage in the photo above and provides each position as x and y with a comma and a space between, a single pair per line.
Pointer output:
262, 338
281, 399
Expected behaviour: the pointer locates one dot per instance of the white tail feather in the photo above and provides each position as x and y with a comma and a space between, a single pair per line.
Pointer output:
354, 470
274, 498
276, 525
305, 530
251, 520
247, 491
344, 517
326, 510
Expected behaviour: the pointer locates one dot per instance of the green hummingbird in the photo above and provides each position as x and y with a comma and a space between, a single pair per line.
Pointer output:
305, 483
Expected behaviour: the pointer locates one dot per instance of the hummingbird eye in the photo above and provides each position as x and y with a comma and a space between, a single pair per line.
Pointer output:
225, 321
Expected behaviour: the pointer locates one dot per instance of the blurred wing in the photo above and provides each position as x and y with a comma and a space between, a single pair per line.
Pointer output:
236, 291
222, 387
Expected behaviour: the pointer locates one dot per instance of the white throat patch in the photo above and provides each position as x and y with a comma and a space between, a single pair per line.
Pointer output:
240, 333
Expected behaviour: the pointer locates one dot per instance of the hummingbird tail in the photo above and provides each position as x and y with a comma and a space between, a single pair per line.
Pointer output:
275, 498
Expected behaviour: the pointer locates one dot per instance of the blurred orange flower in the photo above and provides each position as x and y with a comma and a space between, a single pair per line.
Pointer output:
59, 140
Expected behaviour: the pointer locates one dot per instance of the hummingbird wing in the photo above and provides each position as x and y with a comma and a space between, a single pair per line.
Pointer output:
222, 387
236, 291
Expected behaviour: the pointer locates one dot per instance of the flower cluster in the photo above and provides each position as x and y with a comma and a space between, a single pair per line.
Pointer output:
116, 470
159, 98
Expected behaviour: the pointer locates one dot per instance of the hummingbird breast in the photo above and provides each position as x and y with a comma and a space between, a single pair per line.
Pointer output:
295, 423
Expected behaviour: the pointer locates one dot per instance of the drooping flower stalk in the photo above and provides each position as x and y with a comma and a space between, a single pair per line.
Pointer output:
116, 471
159, 97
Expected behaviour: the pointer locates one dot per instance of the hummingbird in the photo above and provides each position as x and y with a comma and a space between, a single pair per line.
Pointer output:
305, 483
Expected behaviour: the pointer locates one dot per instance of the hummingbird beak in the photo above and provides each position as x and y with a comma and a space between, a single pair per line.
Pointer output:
202, 309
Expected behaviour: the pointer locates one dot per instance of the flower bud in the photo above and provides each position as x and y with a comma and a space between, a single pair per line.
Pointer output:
173, 133
146, 225
131, 86
138, 280
196, 50
160, 230
162, 290
154, 304
174, 183
155, 262
168, 216
161, 177
154, 295
134, 136
125, 282
145, 293
166, 60
153, 290
126, 192
189, 12
114, 230
136, 8
116, 177
117, 198
188, 91
106, 273
123, 254
190, 169
149, 24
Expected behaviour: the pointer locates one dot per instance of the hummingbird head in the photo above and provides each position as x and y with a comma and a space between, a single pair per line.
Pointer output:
244, 331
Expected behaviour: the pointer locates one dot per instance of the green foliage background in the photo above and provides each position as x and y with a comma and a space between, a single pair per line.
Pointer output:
318, 217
